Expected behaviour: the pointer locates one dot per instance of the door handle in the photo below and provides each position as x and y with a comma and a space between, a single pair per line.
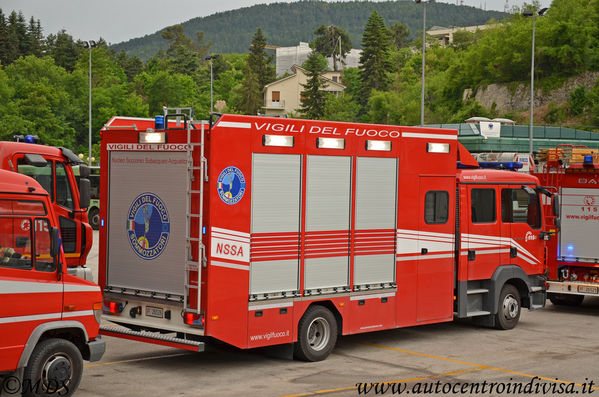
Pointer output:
513, 252
424, 251
471, 255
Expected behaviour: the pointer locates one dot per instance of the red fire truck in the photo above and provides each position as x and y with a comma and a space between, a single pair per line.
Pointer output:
49, 320
573, 257
263, 231
53, 168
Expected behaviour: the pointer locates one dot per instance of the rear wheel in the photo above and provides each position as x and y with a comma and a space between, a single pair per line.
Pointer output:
317, 334
566, 299
54, 368
508, 312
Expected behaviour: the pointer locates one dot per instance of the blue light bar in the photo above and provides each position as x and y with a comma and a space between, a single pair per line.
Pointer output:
588, 159
500, 165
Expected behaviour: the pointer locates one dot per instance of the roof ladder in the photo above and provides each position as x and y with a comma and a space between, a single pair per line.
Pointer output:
195, 250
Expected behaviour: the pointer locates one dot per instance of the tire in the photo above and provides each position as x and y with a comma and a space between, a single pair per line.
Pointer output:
566, 299
94, 218
317, 334
509, 308
55, 366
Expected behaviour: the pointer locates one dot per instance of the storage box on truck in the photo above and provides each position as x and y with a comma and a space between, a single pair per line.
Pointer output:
262, 231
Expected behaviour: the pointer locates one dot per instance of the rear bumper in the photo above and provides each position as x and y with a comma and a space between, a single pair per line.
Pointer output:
96, 349
573, 288
153, 337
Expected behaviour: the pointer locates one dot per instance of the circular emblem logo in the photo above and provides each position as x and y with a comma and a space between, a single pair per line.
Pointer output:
231, 185
148, 226
589, 200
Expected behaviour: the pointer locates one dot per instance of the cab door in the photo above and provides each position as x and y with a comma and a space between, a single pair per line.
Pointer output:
481, 232
522, 218
30, 291
436, 248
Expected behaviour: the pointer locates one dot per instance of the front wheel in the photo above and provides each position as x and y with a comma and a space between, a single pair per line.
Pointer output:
54, 368
94, 218
317, 334
508, 311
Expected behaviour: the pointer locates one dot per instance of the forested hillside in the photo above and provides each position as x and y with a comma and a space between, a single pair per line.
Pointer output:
44, 79
285, 24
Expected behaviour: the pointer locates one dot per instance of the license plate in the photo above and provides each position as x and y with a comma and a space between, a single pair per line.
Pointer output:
585, 289
154, 312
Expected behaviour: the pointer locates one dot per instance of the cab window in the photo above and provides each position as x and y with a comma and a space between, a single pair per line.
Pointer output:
517, 206
15, 243
44, 262
482, 205
64, 196
43, 175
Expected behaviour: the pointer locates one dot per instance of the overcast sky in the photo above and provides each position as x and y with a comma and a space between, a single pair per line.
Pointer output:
120, 20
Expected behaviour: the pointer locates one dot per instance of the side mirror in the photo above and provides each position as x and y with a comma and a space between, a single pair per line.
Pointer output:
84, 192
55, 242
83, 171
555, 202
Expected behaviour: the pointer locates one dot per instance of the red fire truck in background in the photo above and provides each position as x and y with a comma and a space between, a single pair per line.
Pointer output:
262, 231
49, 319
53, 169
573, 257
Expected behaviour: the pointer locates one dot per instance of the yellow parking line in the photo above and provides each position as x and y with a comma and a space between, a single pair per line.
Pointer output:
476, 365
133, 360
326, 391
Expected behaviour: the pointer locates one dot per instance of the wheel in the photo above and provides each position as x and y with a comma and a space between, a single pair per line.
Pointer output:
317, 334
508, 312
56, 366
566, 299
94, 218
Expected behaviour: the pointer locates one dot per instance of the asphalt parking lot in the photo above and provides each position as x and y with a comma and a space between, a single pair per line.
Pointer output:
552, 351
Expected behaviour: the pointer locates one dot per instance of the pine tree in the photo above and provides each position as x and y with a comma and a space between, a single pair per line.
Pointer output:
313, 95
251, 93
375, 63
35, 37
333, 42
3, 39
259, 62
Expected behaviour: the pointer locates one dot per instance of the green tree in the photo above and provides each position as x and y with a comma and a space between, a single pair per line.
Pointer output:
400, 34
313, 95
183, 58
35, 38
375, 59
259, 62
63, 49
332, 41
250, 95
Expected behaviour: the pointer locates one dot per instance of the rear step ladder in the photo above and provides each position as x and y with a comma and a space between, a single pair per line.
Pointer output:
191, 264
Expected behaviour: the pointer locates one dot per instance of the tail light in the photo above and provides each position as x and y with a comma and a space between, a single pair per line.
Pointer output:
112, 307
193, 319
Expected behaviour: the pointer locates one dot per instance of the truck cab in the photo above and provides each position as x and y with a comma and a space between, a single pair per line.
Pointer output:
52, 168
49, 319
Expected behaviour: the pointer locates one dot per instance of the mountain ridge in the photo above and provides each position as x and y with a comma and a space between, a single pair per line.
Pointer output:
285, 24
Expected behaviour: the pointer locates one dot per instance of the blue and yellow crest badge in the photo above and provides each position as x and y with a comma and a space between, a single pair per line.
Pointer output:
148, 226
231, 185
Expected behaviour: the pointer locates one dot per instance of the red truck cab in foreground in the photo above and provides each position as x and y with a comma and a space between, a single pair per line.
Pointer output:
49, 319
